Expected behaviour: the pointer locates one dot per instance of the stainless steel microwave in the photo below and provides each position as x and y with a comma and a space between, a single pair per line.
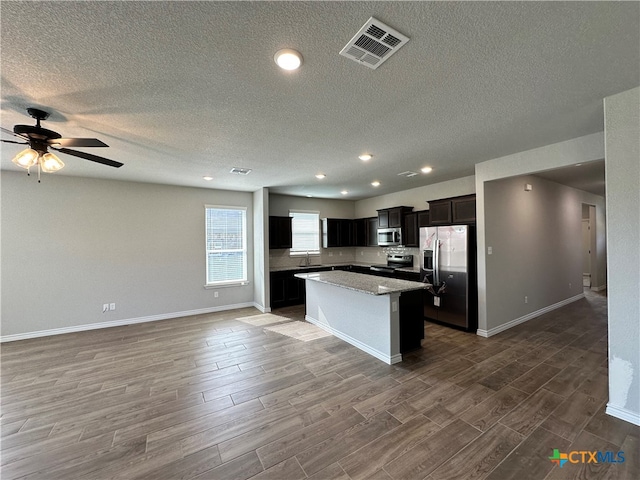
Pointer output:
389, 237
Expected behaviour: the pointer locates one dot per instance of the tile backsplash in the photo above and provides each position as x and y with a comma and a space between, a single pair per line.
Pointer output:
370, 255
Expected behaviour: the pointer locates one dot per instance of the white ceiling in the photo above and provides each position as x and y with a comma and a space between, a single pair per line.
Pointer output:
185, 89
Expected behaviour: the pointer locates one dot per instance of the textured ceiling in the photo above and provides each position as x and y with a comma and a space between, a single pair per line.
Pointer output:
185, 89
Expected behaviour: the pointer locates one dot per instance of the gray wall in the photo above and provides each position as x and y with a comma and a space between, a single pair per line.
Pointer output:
622, 160
71, 244
578, 150
536, 242
280, 205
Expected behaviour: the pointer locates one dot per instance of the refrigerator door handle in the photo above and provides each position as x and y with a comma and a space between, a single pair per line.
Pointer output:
436, 262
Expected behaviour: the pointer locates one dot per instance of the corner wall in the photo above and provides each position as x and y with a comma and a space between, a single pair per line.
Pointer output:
583, 149
536, 242
71, 244
622, 161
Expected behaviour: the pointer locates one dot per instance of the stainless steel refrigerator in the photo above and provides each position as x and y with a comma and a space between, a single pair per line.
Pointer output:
448, 263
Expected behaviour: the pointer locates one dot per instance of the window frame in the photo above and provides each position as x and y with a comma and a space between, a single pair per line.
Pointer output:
298, 253
244, 250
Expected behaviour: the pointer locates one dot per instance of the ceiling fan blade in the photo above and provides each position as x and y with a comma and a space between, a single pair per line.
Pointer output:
11, 141
11, 132
91, 157
77, 142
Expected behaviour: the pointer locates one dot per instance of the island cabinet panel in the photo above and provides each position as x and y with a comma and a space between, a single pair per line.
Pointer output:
279, 232
453, 211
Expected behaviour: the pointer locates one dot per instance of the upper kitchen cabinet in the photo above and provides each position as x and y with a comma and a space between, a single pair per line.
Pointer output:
372, 231
453, 211
423, 218
392, 217
279, 232
337, 232
411, 234
365, 232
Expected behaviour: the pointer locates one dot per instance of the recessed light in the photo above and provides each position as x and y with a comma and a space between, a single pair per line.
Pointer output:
207, 178
288, 59
578, 164
309, 196
375, 183
426, 169
344, 192
365, 157
320, 176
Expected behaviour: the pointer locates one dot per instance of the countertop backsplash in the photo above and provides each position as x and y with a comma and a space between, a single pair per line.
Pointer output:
331, 256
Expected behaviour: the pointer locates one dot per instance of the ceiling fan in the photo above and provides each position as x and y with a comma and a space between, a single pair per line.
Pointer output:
41, 139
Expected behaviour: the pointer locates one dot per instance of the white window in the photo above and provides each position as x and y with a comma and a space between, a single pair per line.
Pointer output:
226, 231
305, 232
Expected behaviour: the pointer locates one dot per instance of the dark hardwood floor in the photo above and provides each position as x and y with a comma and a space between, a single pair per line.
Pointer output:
215, 397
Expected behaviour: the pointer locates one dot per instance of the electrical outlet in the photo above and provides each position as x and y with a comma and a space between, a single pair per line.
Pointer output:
331, 254
526, 299
215, 294
569, 286
105, 307
112, 306
394, 306
340, 253
361, 252
489, 250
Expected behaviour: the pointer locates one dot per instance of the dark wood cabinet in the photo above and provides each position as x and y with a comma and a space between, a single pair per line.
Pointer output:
453, 211
279, 232
359, 229
423, 218
372, 231
337, 232
392, 217
411, 234
440, 212
463, 209
286, 290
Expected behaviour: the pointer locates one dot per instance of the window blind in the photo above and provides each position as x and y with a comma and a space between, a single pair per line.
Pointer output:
305, 232
226, 244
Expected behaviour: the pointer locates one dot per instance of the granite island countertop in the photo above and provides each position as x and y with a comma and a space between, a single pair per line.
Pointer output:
369, 284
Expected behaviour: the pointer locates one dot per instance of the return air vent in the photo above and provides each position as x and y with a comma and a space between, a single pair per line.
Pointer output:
373, 44
240, 171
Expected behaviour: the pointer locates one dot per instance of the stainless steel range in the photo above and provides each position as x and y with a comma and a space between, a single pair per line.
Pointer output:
393, 262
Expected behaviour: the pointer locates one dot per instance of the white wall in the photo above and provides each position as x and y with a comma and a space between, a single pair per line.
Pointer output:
71, 244
622, 160
415, 197
261, 287
536, 242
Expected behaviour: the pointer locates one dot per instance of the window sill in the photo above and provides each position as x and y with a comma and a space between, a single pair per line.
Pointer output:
210, 286
302, 254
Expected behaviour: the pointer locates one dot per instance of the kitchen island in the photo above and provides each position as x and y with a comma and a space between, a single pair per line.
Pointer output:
381, 316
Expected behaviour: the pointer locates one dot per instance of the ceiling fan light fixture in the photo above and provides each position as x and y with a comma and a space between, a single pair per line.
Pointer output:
26, 158
288, 59
51, 163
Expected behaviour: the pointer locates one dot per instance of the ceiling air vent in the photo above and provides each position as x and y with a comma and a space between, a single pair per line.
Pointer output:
373, 44
240, 171
407, 174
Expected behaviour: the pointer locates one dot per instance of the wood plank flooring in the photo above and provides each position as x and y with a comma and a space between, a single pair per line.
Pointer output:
240, 394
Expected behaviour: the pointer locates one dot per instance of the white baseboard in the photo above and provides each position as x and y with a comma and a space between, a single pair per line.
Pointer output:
262, 308
389, 360
527, 317
623, 414
119, 323
600, 288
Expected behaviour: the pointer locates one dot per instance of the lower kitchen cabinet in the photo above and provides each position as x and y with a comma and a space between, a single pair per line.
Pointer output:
286, 289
